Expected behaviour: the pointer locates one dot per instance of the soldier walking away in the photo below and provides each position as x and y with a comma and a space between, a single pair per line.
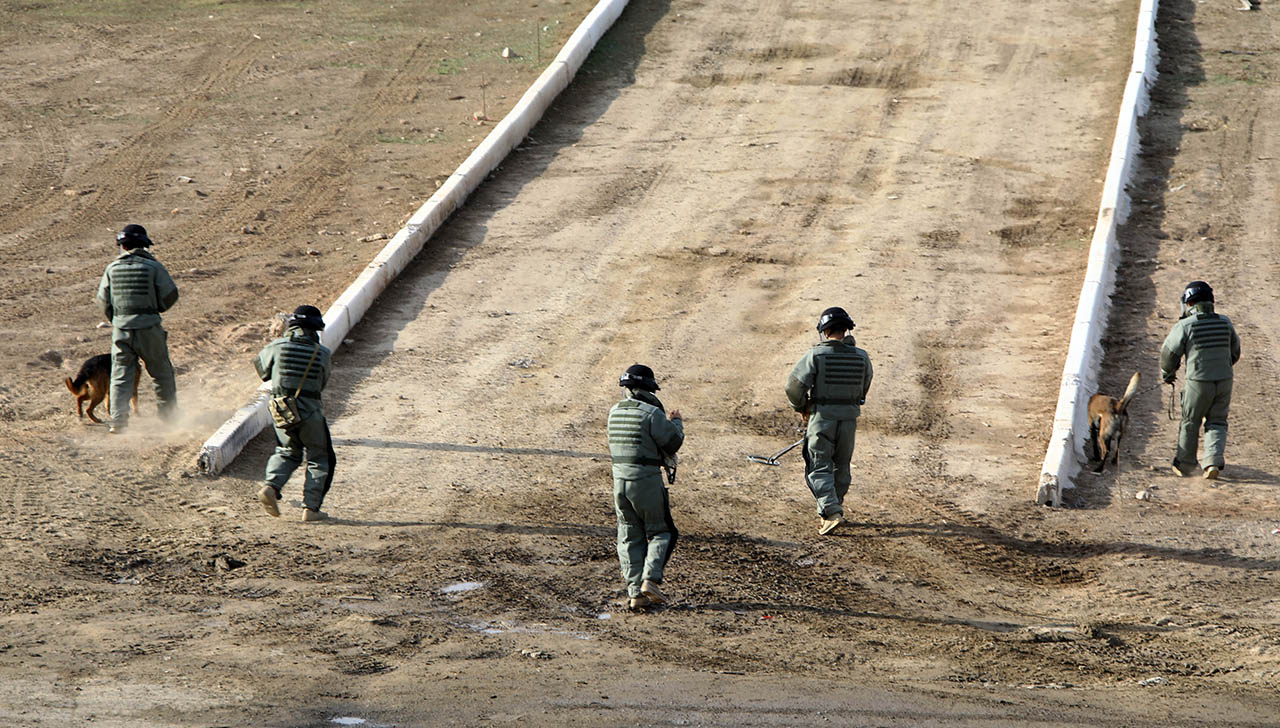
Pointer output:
298, 365
134, 291
829, 386
641, 440
1211, 346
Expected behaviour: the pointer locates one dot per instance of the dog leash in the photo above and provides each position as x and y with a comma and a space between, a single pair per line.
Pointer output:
1147, 388
1173, 392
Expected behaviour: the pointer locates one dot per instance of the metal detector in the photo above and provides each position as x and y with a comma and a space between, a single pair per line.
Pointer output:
773, 459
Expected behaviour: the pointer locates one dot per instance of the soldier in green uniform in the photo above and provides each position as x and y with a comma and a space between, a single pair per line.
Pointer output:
134, 291
297, 363
829, 386
641, 439
1211, 346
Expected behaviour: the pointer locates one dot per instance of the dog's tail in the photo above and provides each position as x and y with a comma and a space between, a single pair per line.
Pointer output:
91, 366
1131, 390
82, 378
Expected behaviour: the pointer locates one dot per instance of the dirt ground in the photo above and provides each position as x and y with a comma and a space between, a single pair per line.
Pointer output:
719, 173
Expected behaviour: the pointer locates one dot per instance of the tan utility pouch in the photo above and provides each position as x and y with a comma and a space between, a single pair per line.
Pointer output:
284, 412
284, 409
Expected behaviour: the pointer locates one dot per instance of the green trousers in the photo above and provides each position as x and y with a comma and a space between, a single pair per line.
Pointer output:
151, 345
1204, 403
646, 533
828, 448
311, 439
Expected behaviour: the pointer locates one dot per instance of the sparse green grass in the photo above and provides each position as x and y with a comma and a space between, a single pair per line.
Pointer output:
531, 50
449, 66
1219, 79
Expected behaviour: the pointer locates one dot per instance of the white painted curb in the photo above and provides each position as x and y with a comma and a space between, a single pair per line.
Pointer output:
220, 449
1084, 355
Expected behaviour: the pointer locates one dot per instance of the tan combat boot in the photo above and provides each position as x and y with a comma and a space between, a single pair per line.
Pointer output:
639, 603
651, 590
830, 524
1211, 472
268, 498
312, 516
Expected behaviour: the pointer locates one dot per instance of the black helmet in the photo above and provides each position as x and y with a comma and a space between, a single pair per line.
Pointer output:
834, 318
639, 376
307, 317
133, 236
1197, 292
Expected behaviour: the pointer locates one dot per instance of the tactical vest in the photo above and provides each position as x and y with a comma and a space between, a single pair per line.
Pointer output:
1208, 343
841, 377
291, 361
629, 443
133, 286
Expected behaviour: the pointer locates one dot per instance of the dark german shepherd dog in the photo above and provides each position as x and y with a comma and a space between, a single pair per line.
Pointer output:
94, 384
1108, 417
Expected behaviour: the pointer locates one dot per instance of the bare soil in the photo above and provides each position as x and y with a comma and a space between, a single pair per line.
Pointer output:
719, 173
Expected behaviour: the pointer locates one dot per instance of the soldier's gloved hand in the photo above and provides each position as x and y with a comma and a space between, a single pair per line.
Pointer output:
861, 402
675, 415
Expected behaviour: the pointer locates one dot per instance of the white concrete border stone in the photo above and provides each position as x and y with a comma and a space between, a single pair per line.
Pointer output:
1084, 355
223, 446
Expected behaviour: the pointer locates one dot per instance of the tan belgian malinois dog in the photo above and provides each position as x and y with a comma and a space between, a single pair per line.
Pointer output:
1108, 417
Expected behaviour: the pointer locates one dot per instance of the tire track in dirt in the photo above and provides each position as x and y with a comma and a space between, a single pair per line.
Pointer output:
293, 197
977, 543
626, 189
39, 167
284, 205
215, 72
736, 588
122, 504
76, 513
39, 184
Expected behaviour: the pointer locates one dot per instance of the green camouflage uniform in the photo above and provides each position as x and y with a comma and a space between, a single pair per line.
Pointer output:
134, 291
284, 361
830, 383
1211, 346
640, 435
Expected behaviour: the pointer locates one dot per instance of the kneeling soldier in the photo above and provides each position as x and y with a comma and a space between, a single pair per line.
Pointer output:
828, 386
298, 366
641, 439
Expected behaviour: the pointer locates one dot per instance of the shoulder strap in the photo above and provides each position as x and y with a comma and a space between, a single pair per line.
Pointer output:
306, 371
817, 372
